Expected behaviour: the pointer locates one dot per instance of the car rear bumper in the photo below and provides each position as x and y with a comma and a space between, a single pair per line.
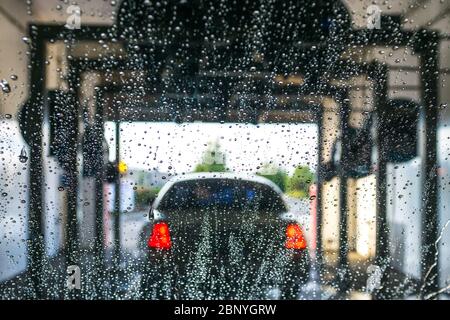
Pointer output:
165, 271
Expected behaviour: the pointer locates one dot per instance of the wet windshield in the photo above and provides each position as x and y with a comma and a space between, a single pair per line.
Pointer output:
144, 145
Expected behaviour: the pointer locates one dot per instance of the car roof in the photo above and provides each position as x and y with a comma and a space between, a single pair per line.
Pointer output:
215, 175
223, 175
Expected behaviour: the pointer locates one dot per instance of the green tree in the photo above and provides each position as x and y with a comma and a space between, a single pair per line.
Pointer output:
213, 159
275, 174
298, 184
144, 196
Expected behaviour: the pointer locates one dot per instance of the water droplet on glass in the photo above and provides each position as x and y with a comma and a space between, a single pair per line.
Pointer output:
13, 77
23, 157
5, 86
26, 40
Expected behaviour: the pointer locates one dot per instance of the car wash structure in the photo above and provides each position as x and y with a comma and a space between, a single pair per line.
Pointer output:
283, 62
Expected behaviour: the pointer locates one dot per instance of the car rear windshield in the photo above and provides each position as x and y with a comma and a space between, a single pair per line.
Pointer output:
235, 195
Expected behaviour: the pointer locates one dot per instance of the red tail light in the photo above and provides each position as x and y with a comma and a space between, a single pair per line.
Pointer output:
160, 237
294, 237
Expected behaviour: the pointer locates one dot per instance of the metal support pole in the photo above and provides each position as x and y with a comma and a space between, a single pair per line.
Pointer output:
343, 267
33, 127
378, 73
429, 77
99, 178
380, 97
117, 200
71, 171
319, 257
